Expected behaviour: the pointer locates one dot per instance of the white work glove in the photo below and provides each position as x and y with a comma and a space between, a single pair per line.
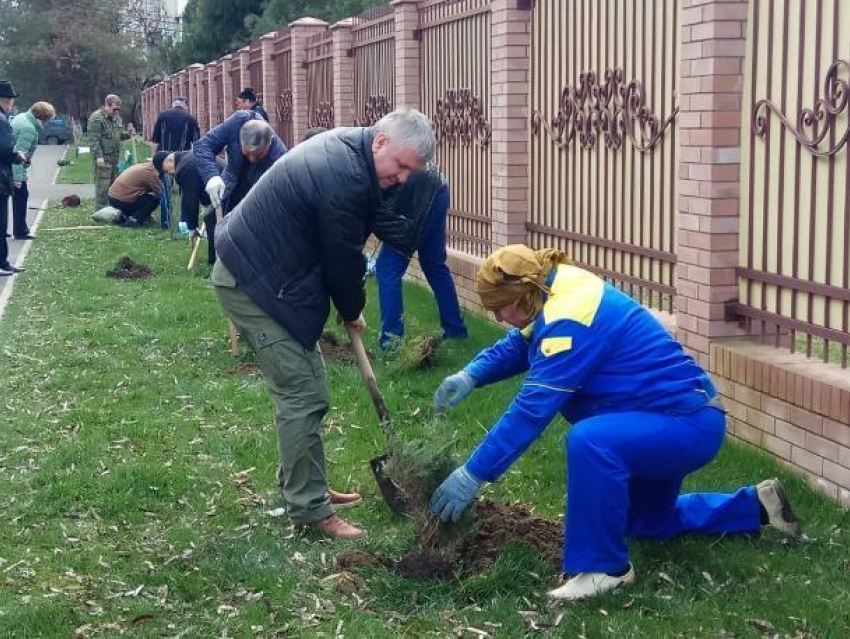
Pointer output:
453, 389
215, 189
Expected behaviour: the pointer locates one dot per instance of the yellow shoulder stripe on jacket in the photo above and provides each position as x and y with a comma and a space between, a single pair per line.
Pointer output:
553, 345
576, 295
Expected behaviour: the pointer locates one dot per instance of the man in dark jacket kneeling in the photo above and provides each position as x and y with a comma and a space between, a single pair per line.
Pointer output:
290, 248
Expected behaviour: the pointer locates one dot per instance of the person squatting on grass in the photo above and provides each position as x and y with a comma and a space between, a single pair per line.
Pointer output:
136, 193
252, 147
644, 415
26, 127
8, 157
293, 246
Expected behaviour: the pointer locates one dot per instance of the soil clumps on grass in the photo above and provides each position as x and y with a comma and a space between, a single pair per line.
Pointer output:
248, 368
127, 269
336, 350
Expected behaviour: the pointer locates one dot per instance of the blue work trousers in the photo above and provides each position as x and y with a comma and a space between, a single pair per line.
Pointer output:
625, 471
167, 183
390, 269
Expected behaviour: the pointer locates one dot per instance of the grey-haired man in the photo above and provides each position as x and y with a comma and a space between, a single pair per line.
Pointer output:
290, 249
252, 147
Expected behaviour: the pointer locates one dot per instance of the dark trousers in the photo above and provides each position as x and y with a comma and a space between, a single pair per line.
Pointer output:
4, 221
140, 209
20, 198
191, 197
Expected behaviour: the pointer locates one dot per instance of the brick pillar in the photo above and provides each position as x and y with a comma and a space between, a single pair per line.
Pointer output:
227, 97
299, 31
269, 87
511, 83
711, 84
244, 72
343, 73
192, 93
406, 15
201, 98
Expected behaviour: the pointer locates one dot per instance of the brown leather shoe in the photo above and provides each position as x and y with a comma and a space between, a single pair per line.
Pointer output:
344, 500
336, 526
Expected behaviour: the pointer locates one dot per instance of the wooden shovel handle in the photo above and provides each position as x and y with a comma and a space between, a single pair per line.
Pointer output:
368, 376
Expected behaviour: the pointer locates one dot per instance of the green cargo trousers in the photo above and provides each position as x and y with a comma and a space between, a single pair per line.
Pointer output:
298, 384
104, 176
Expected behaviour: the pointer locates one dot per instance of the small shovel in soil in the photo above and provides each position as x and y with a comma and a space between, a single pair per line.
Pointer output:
389, 489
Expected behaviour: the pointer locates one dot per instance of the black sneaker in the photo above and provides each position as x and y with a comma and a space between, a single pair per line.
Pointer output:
10, 269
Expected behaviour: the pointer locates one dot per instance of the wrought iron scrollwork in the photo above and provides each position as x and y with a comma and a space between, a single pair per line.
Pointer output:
459, 119
814, 124
323, 115
612, 110
284, 106
376, 107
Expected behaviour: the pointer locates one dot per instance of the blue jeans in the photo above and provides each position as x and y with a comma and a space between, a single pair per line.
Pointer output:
625, 471
390, 269
165, 201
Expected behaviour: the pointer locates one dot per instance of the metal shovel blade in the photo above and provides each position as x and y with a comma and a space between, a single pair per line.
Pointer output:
389, 489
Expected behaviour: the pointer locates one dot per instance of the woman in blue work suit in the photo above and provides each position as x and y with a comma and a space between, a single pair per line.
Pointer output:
644, 415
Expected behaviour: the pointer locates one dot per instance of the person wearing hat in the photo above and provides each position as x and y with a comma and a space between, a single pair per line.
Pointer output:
643, 416
247, 101
26, 127
136, 192
8, 156
182, 167
105, 134
174, 130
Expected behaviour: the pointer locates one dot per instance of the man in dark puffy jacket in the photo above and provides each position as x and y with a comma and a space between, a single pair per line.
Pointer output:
8, 157
252, 147
293, 246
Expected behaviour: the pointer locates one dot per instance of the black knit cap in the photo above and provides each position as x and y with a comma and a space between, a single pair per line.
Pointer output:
158, 159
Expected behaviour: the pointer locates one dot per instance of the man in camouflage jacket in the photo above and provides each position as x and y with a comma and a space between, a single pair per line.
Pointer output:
105, 135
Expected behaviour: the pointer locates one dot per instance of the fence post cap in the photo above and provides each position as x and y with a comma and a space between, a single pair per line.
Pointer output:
308, 22
268, 36
345, 23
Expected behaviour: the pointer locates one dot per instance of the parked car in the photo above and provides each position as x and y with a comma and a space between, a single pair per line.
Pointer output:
56, 131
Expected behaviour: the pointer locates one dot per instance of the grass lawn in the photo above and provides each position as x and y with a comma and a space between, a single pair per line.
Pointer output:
137, 474
79, 171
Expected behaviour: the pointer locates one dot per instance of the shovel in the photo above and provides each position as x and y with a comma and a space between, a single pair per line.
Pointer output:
390, 491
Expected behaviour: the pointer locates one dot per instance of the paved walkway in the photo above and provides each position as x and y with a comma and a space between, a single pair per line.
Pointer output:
43, 189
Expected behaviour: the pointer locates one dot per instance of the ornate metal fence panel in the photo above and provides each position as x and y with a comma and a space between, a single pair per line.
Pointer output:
320, 80
255, 69
374, 65
281, 115
218, 108
455, 90
603, 143
794, 273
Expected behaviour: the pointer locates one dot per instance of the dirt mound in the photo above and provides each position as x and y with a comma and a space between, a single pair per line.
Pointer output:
499, 524
70, 201
248, 368
335, 350
127, 269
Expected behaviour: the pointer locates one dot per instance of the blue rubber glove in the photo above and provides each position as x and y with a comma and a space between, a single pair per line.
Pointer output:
452, 390
454, 494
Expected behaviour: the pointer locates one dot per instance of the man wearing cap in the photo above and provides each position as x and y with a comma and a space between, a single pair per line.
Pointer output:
136, 192
8, 157
643, 416
182, 167
105, 135
252, 147
174, 130
247, 101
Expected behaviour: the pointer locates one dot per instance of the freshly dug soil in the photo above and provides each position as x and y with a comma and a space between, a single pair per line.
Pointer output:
337, 351
243, 369
127, 269
427, 355
497, 525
